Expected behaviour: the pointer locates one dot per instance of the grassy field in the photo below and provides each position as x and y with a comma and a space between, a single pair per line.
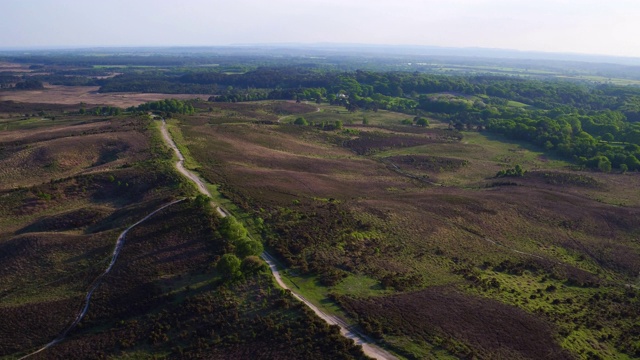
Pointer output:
385, 214
602, 79
533, 73
485, 153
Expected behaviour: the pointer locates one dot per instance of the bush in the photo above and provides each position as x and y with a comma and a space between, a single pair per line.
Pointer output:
247, 247
229, 266
232, 230
422, 122
517, 171
301, 121
252, 264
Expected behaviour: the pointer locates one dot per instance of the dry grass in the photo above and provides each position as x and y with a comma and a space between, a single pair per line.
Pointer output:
71, 95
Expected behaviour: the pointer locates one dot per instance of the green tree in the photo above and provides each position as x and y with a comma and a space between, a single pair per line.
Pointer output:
604, 164
301, 121
338, 124
624, 168
247, 247
632, 163
422, 122
518, 170
202, 200
232, 229
608, 137
229, 266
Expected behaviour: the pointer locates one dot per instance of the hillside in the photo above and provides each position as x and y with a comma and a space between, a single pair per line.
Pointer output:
70, 187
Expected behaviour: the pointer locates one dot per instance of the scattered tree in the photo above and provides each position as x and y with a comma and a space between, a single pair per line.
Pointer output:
301, 121
247, 247
232, 229
229, 266
422, 122
252, 264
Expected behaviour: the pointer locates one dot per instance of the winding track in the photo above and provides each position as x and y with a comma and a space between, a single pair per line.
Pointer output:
98, 280
346, 330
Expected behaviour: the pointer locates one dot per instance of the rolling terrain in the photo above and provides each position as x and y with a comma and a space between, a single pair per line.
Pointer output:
487, 215
544, 253
163, 296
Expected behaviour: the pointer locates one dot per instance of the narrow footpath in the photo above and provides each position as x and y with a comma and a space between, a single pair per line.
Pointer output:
97, 281
369, 348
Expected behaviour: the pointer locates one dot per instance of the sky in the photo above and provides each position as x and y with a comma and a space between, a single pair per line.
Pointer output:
607, 27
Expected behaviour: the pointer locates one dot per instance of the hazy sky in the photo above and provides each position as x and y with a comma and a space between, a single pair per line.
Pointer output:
582, 26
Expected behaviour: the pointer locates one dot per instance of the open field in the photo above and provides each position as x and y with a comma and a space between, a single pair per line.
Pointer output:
532, 73
334, 208
72, 95
602, 79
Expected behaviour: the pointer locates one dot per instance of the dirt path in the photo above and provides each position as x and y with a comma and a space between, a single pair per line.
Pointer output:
346, 330
180, 166
97, 281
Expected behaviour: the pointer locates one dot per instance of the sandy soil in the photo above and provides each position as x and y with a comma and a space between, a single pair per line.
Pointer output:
69, 95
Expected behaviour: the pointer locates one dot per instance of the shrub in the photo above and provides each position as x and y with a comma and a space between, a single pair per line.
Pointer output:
301, 121
231, 229
247, 247
252, 264
229, 266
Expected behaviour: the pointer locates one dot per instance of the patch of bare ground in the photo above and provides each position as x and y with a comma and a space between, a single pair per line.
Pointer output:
74, 95
470, 326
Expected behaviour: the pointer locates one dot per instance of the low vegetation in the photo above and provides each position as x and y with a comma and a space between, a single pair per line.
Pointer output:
332, 206
170, 293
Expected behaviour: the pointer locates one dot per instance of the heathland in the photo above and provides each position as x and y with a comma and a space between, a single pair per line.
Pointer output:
69, 187
475, 216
